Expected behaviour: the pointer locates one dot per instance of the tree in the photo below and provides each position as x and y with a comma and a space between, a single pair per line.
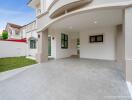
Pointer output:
5, 35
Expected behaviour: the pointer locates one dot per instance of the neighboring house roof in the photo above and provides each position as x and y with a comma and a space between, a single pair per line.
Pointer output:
29, 27
14, 25
18, 26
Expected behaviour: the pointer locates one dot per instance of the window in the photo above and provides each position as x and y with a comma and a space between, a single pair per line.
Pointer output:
64, 41
17, 32
96, 38
32, 44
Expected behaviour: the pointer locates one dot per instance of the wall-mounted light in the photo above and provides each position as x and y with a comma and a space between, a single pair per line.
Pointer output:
38, 36
71, 27
95, 22
53, 38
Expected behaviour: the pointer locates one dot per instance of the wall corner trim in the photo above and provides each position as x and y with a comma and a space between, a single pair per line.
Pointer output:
129, 85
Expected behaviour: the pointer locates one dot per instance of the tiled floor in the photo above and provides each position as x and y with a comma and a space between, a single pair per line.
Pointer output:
67, 79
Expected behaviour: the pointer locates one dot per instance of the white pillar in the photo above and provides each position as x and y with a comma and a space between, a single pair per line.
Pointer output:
43, 5
128, 42
42, 55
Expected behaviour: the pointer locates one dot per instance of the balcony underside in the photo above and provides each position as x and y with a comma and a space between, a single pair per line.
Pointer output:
68, 8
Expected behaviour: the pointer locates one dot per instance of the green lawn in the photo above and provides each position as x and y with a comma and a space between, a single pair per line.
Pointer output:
14, 62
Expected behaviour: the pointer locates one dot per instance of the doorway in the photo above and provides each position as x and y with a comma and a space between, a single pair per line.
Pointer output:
49, 46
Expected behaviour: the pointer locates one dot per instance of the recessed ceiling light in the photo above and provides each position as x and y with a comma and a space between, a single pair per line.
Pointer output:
95, 22
71, 27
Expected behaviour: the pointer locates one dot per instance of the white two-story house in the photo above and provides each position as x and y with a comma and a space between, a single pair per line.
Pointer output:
14, 31
102, 26
26, 33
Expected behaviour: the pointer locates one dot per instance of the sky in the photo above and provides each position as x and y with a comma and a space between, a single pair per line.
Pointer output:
15, 11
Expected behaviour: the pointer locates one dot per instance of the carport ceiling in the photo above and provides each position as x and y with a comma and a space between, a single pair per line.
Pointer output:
93, 19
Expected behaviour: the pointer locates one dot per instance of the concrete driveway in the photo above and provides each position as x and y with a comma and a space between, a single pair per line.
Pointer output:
67, 79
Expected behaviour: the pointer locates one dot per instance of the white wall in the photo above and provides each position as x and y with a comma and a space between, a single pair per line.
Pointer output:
120, 48
12, 49
13, 34
62, 53
31, 52
105, 50
127, 42
56, 51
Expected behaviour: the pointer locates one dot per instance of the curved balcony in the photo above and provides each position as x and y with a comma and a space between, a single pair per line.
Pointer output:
45, 20
61, 7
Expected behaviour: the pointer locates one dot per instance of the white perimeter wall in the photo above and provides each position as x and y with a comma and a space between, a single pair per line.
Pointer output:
105, 50
12, 49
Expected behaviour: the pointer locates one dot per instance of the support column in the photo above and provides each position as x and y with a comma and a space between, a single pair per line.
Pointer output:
43, 5
42, 55
128, 42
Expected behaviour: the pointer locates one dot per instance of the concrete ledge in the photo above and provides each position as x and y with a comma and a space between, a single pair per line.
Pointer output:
12, 73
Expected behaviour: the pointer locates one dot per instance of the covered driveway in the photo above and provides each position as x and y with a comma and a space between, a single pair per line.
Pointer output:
82, 26
67, 79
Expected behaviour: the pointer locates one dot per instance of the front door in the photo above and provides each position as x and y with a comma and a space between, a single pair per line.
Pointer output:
49, 46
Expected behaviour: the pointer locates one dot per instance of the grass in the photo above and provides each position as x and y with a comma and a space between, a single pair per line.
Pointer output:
14, 63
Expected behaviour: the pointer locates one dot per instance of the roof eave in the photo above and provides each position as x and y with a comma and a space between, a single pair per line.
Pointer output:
31, 4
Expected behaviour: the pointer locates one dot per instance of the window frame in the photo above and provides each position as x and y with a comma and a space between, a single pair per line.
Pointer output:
94, 39
34, 44
64, 41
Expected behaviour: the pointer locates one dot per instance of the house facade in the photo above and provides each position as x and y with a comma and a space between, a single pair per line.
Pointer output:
103, 28
29, 32
14, 31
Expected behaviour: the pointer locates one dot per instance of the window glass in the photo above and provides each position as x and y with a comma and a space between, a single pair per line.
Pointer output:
64, 41
32, 44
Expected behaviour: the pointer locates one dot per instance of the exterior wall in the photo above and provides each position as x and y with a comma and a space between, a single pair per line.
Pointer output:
56, 51
31, 52
44, 22
105, 50
30, 27
61, 3
128, 41
120, 51
12, 33
38, 9
102, 2
23, 32
28, 32
12, 49
62, 53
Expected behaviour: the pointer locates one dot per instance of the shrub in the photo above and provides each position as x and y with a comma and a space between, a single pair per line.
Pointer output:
5, 35
0, 37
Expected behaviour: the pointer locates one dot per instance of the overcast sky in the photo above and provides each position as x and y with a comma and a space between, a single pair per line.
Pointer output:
15, 11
